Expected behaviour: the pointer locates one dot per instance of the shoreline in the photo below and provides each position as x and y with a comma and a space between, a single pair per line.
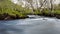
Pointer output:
57, 16
9, 17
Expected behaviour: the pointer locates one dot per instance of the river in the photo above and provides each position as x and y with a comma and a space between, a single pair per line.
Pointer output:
40, 25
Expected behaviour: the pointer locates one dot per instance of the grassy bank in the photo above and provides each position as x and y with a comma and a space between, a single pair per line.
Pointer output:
9, 10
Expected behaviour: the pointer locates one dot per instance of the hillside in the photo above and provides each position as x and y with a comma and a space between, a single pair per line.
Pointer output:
9, 10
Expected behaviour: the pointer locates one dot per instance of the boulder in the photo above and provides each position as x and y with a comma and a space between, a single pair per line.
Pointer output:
58, 16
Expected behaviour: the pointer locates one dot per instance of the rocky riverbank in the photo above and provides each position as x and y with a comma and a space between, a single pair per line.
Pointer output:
51, 15
11, 17
11, 11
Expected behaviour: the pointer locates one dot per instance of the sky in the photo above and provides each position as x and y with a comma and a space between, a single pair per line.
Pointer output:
56, 2
15, 1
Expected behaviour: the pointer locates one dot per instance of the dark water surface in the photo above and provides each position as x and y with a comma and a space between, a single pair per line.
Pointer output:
31, 26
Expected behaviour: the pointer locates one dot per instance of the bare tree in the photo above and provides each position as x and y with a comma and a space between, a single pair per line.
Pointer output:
51, 2
42, 4
31, 4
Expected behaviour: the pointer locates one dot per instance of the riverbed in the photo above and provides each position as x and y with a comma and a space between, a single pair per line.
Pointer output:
40, 25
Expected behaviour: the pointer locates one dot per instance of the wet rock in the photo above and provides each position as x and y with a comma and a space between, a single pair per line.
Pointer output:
58, 16
11, 17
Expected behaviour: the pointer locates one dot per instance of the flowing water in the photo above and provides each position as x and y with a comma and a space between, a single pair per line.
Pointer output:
40, 25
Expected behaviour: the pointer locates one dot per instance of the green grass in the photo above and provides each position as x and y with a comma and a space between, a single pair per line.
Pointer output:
10, 8
57, 11
52, 12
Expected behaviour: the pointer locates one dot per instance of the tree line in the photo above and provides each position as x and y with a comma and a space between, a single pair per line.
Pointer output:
40, 5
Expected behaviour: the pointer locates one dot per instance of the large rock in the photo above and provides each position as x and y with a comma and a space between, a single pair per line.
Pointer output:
58, 16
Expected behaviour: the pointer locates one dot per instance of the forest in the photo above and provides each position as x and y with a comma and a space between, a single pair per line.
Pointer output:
10, 10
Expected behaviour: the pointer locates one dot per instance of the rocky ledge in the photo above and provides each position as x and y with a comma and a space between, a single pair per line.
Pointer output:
58, 16
10, 17
51, 15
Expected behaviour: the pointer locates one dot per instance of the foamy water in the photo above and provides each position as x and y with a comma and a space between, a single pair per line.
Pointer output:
31, 26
